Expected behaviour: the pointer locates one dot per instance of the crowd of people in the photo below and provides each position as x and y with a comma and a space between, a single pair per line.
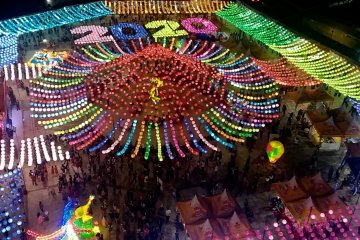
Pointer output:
134, 197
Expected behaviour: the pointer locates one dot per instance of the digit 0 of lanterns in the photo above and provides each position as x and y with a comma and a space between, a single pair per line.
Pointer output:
274, 150
128, 31
198, 25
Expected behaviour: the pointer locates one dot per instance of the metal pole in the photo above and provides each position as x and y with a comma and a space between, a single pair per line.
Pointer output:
263, 236
353, 213
309, 214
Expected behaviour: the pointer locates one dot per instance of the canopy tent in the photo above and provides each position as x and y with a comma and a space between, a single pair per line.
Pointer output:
214, 217
289, 191
222, 204
334, 203
236, 227
308, 95
315, 186
353, 149
354, 164
206, 230
327, 128
192, 210
318, 115
349, 128
334, 123
304, 211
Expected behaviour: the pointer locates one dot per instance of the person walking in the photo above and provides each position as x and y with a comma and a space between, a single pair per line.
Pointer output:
41, 206
168, 214
330, 173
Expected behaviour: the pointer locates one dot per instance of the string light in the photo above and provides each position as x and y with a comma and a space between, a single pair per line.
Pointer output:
8, 50
51, 19
285, 73
325, 66
165, 7
35, 145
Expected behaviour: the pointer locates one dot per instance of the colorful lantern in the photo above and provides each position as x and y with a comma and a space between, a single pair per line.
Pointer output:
274, 150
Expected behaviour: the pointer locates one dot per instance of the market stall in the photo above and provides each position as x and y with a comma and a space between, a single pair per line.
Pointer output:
214, 217
289, 191
315, 185
236, 227
330, 128
221, 204
306, 96
204, 230
304, 211
192, 211
332, 206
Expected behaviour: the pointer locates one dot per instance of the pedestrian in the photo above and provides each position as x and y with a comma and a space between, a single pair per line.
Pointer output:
284, 109
177, 237
330, 173
40, 219
33, 178
17, 105
167, 214
41, 206
337, 174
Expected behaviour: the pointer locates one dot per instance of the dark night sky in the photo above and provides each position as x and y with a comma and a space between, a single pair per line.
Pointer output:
347, 13
15, 8
18, 8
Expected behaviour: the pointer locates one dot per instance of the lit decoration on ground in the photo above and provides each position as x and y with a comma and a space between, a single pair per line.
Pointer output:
199, 25
47, 57
30, 148
285, 73
274, 151
154, 91
51, 19
202, 89
320, 64
8, 50
168, 28
22, 71
95, 34
164, 7
355, 105
78, 224
12, 214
